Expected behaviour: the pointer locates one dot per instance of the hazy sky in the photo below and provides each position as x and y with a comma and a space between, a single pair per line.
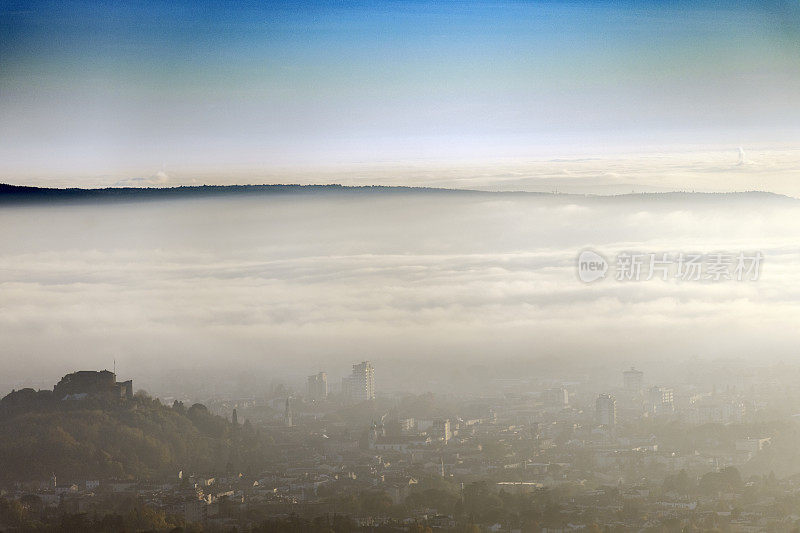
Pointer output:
571, 96
119, 90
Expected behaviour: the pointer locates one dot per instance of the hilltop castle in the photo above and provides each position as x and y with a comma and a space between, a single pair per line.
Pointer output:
92, 383
75, 386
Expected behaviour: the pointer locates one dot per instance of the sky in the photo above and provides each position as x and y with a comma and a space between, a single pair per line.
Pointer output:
593, 97
103, 93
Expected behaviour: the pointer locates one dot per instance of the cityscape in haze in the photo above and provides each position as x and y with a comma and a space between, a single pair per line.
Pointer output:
404, 266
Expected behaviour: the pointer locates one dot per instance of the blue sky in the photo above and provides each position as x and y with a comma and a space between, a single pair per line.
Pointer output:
124, 88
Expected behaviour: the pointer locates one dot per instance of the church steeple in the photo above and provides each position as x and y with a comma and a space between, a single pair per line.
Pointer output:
287, 415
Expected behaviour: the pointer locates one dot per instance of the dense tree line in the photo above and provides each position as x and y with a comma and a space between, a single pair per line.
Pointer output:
123, 439
129, 515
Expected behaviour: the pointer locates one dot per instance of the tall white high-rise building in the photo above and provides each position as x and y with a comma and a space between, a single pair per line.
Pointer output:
318, 386
557, 397
632, 380
360, 385
606, 410
661, 400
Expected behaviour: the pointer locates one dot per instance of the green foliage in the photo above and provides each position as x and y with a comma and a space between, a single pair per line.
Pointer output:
366, 502
481, 504
680, 483
376, 503
727, 480
441, 500
12, 514
138, 518
295, 524
135, 439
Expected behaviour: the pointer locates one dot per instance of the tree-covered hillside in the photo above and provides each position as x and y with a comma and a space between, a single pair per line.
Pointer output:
127, 439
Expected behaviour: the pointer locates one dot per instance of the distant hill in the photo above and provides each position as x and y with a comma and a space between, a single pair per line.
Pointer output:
16, 194
104, 438
23, 194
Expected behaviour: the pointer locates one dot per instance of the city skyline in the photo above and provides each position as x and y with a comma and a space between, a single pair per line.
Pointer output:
631, 457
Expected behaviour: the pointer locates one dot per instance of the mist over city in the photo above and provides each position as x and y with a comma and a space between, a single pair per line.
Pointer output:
458, 267
280, 285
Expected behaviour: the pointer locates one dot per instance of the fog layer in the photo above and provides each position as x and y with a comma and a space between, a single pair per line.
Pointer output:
292, 285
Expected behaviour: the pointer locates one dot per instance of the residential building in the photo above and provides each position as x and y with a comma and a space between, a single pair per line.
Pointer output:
318, 386
360, 385
632, 380
557, 398
660, 401
606, 410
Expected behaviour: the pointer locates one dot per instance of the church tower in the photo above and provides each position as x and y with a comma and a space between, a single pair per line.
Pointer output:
287, 415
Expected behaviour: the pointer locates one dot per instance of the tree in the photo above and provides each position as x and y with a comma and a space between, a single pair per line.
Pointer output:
12, 513
376, 503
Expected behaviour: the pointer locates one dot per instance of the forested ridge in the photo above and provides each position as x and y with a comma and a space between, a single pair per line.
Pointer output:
139, 438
